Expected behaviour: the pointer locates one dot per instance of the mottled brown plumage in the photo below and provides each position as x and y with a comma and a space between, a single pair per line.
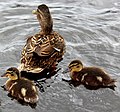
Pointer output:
45, 49
90, 76
20, 88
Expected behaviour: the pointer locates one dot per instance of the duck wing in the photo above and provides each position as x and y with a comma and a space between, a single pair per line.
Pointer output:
41, 51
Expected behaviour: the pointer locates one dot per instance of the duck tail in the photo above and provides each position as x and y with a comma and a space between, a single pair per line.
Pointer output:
112, 85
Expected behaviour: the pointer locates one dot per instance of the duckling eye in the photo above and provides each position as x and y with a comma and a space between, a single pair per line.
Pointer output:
12, 74
77, 66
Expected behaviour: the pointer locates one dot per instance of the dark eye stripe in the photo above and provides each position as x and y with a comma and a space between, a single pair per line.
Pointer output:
10, 72
75, 64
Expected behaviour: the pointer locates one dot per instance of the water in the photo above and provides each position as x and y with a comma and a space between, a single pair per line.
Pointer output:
91, 29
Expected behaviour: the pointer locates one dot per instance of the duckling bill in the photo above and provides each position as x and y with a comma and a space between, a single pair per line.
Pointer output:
93, 77
20, 88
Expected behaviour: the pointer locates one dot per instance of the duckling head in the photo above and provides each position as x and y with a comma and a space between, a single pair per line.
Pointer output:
12, 73
74, 67
44, 18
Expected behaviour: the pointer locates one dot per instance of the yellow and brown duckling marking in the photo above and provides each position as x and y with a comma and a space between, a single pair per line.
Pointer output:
45, 49
20, 88
90, 76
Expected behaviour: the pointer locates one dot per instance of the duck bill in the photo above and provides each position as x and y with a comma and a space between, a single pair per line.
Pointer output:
35, 12
66, 70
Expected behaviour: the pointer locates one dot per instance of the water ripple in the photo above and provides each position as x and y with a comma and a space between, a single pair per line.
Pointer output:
91, 29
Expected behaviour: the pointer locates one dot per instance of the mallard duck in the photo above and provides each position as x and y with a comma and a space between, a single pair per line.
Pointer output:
20, 88
45, 49
89, 76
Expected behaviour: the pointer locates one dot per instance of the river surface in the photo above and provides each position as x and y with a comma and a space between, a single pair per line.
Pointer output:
91, 29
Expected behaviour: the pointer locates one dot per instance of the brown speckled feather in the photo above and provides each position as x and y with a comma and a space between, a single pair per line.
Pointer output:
45, 49
42, 52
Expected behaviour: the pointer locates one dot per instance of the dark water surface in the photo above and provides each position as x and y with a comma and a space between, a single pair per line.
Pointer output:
91, 29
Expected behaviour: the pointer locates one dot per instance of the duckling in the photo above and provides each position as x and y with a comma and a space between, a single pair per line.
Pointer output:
90, 76
20, 88
45, 49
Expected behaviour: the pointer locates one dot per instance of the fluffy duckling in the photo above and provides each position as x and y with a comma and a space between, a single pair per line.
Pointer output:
45, 49
20, 88
89, 76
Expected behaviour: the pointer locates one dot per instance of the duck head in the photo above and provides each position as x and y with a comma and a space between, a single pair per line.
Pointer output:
12, 73
44, 18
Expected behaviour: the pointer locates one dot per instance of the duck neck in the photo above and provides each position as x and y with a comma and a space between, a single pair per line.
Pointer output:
46, 25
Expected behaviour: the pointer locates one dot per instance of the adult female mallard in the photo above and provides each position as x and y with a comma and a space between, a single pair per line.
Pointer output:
89, 76
45, 49
20, 88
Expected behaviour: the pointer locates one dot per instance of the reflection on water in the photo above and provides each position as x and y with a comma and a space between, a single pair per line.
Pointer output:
91, 29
